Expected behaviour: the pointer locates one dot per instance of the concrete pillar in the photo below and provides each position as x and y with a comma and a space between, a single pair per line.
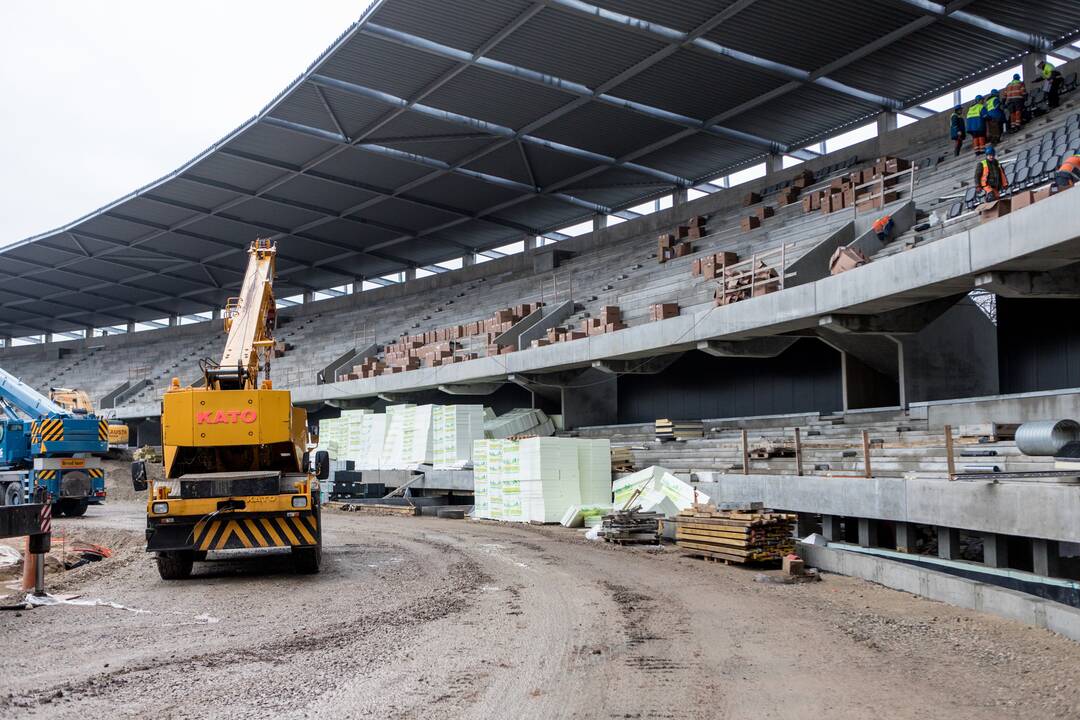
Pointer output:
592, 398
774, 162
679, 197
5, 342
215, 314
1030, 72
995, 550
906, 537
530, 240
599, 221
901, 371
307, 296
468, 260
886, 122
844, 381
1046, 557
948, 543
805, 525
130, 326
831, 528
47, 338
410, 274
89, 332
174, 320
956, 98
868, 532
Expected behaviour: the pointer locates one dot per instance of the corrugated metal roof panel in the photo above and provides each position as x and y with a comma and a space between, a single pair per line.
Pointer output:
191, 224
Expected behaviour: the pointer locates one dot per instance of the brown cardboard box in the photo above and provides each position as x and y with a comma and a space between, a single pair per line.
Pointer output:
697, 232
1022, 199
708, 267
803, 180
541, 342
612, 327
696, 221
993, 210
839, 183
811, 202
695, 267
726, 258
663, 311
764, 212
749, 223
681, 231
683, 249
1044, 192
667, 240
844, 259
788, 197
751, 199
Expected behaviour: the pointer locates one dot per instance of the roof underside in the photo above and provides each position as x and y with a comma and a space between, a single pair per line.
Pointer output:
432, 128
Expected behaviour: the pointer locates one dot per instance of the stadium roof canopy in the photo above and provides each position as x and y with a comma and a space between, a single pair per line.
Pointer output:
432, 128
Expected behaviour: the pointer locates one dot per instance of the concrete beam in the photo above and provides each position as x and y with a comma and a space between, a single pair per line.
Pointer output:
471, 388
646, 366
886, 122
905, 321
762, 347
1062, 284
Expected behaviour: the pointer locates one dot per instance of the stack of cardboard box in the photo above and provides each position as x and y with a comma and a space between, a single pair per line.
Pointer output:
609, 320
677, 244
663, 311
1024, 198
712, 266
844, 192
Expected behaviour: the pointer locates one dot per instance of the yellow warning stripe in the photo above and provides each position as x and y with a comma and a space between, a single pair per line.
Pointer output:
269, 527
284, 525
96, 473
303, 530
254, 532
46, 474
103, 430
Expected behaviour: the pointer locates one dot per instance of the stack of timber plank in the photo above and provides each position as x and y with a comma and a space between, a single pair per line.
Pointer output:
743, 535
622, 460
667, 429
631, 527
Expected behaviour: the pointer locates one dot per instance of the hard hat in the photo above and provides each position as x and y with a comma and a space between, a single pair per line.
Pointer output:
994, 91
958, 108
990, 150
978, 98
1016, 76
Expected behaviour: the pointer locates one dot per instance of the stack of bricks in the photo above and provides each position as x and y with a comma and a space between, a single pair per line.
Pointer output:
740, 284
677, 244
368, 367
663, 311
712, 266
610, 320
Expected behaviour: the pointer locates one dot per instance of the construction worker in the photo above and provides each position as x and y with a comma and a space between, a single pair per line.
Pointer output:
1056, 83
995, 117
1015, 96
1068, 173
883, 228
975, 124
990, 176
956, 129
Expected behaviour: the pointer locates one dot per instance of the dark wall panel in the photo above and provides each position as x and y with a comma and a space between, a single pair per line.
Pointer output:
1038, 344
806, 378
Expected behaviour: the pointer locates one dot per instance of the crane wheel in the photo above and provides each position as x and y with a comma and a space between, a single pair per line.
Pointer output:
13, 494
175, 565
307, 560
74, 508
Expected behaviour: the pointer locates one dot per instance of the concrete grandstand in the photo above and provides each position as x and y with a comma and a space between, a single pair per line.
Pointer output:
394, 168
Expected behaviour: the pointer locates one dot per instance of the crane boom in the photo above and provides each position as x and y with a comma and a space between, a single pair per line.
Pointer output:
249, 322
28, 400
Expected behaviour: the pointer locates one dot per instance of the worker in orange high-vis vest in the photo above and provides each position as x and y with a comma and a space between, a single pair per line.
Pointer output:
883, 228
990, 176
1015, 95
1068, 173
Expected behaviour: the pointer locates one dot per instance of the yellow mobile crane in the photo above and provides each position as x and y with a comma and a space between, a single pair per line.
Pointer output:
235, 450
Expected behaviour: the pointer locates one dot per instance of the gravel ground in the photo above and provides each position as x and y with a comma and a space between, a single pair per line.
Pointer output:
427, 618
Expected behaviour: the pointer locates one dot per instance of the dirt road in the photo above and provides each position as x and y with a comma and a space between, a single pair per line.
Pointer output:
426, 618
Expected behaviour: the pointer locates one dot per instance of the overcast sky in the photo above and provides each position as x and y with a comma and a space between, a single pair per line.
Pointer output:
101, 97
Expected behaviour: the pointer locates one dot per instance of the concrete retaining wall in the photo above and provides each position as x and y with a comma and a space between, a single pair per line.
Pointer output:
950, 589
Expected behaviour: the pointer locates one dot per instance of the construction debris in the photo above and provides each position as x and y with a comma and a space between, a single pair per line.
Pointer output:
741, 535
631, 527
622, 460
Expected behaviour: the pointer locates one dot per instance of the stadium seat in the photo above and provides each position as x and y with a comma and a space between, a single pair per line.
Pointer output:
955, 209
971, 197
1021, 178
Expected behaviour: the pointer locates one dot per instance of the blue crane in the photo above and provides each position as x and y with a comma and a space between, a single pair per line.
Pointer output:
44, 445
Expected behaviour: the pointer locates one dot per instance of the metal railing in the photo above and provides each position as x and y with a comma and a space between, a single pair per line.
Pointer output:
880, 184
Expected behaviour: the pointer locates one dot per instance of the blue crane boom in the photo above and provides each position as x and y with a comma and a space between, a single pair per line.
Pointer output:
28, 400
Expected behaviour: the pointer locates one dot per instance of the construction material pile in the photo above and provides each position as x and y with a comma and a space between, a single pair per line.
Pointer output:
622, 460
744, 534
678, 429
631, 527
539, 479
654, 489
